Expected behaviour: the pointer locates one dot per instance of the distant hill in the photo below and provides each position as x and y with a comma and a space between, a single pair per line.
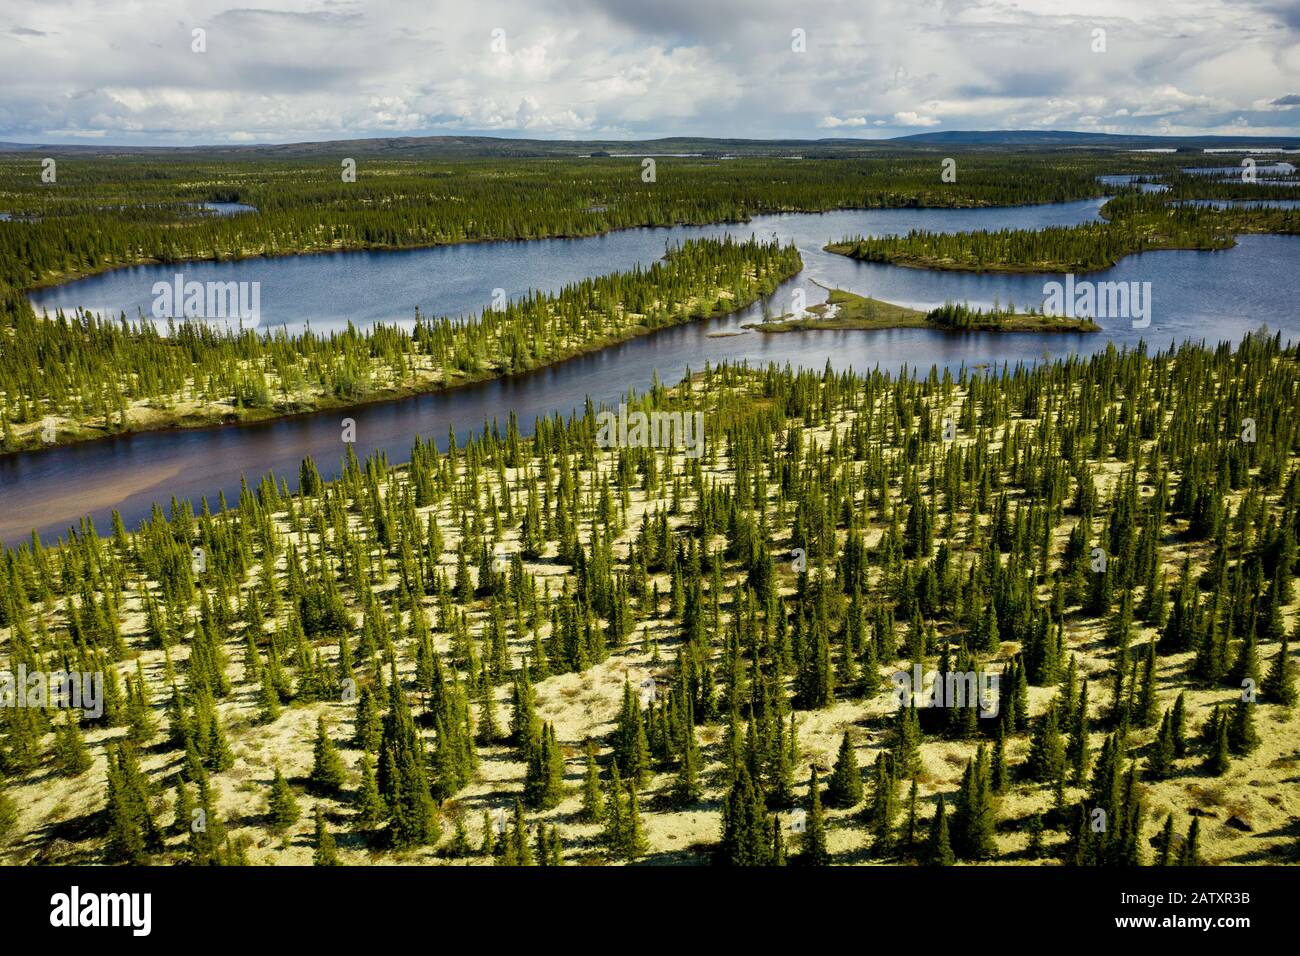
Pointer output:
1051, 138
416, 147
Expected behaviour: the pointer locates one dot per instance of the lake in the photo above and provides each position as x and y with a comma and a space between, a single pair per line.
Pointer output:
1199, 295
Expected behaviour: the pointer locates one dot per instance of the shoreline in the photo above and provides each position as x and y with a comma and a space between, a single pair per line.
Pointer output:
51, 282
847, 311
230, 416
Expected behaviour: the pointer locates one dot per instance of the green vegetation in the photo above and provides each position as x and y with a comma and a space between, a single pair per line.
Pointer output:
847, 310
106, 212
1109, 539
87, 377
1135, 223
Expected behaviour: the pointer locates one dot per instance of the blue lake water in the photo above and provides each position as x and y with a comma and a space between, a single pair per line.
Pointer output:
227, 208
1210, 296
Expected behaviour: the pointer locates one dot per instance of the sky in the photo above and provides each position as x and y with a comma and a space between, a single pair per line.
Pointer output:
191, 72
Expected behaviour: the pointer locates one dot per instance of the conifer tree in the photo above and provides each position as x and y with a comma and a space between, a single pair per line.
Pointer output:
1178, 725
1161, 759
326, 850
686, 789
1165, 843
1279, 684
133, 834
910, 838
1243, 738
327, 774
488, 847
615, 815
1191, 855
368, 731
907, 740
1218, 761
778, 843
183, 807
282, 806
938, 851
518, 850
845, 785
268, 698
744, 825
634, 843
813, 850
544, 779
1034, 849
70, 753
631, 749
1047, 749
884, 804
403, 778
973, 816
593, 804
367, 804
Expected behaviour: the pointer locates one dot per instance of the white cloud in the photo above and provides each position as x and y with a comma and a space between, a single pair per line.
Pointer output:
123, 70
834, 122
911, 118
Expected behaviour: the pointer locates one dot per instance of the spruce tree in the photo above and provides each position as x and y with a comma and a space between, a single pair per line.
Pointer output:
1160, 761
744, 825
326, 851
1243, 738
973, 817
1279, 685
844, 788
282, 806
1191, 855
813, 850
615, 817
544, 777
884, 804
1219, 759
938, 851
327, 774
183, 808
1165, 843
634, 843
1047, 749
367, 804
593, 804
1178, 725
70, 753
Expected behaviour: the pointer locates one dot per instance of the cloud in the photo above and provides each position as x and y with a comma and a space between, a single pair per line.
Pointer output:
910, 118
834, 122
292, 70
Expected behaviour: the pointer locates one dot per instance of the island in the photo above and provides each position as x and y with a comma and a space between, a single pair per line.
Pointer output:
848, 310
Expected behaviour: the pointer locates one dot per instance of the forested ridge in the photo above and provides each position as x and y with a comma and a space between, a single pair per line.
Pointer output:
543, 651
87, 376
